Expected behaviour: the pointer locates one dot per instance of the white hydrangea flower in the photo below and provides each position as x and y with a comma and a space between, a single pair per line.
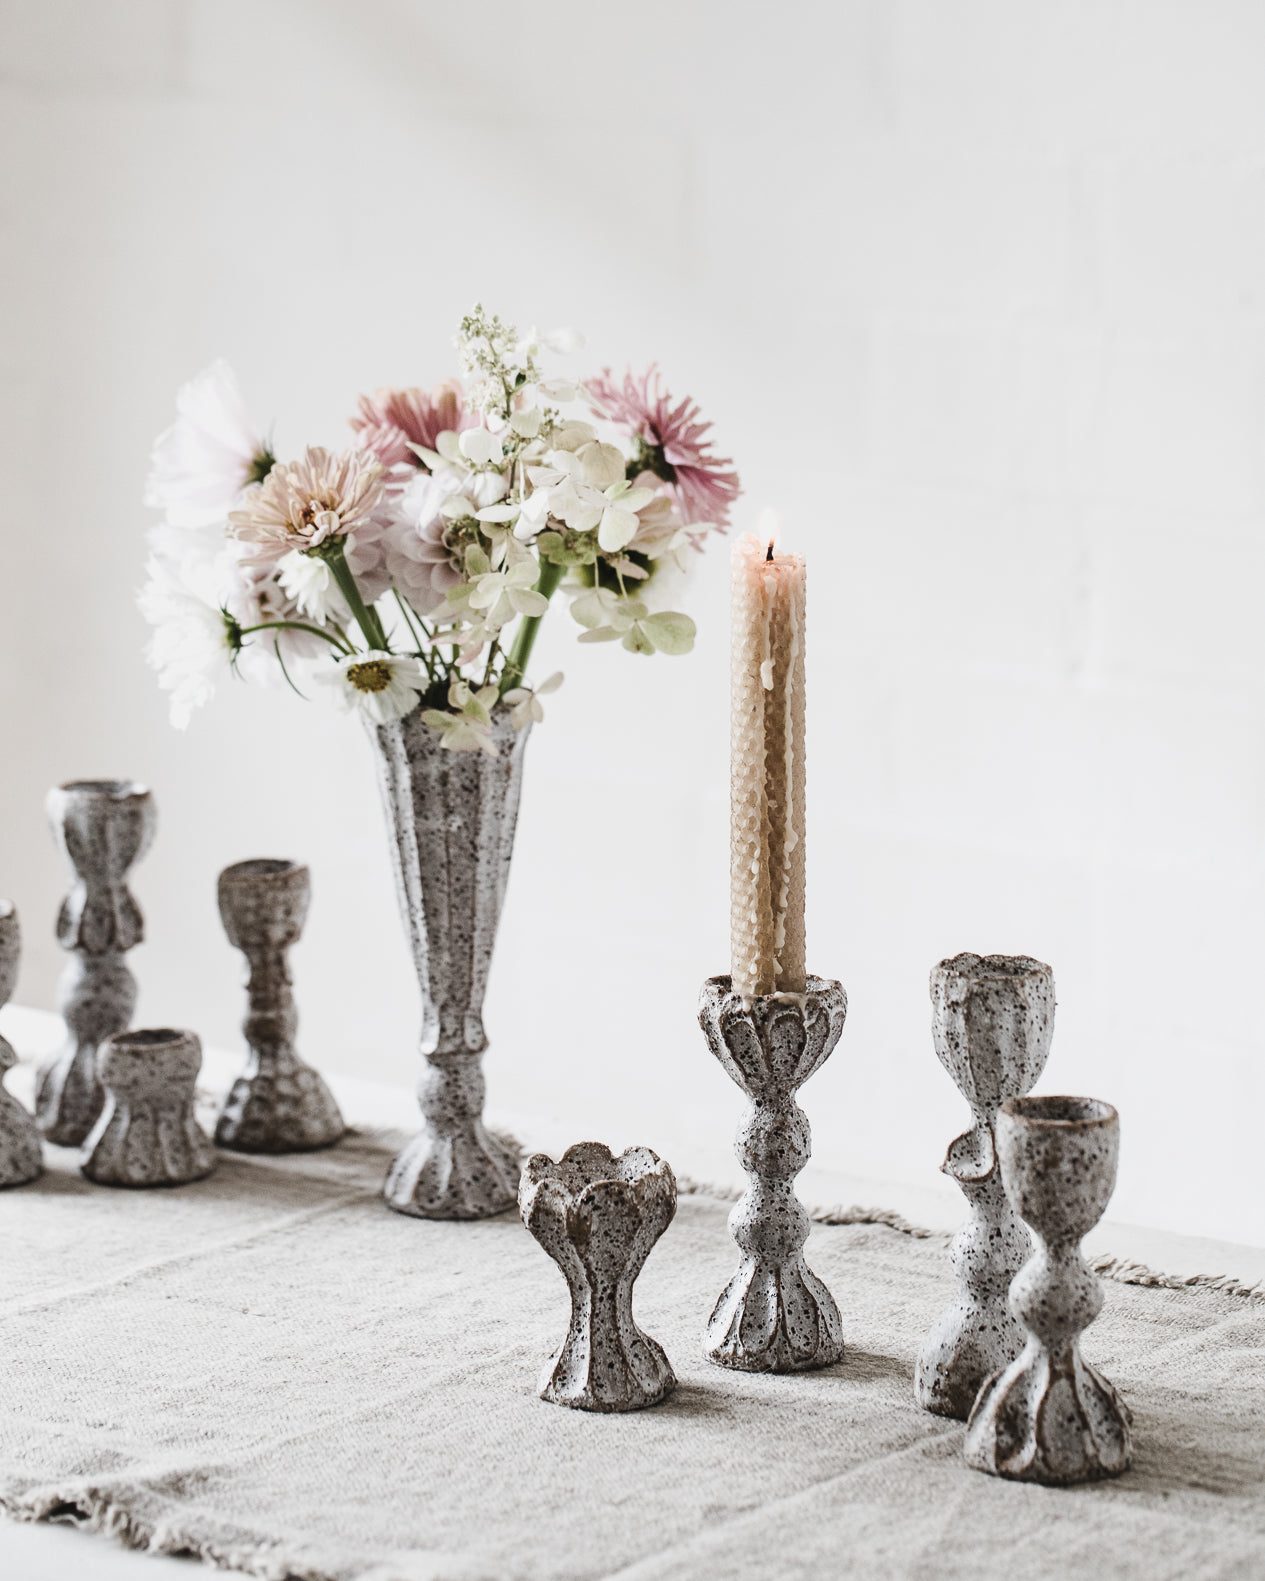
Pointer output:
523, 705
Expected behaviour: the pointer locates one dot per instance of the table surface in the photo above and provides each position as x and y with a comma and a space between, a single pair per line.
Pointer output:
52, 1552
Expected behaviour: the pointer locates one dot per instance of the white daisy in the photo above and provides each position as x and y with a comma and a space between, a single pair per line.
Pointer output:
385, 686
209, 454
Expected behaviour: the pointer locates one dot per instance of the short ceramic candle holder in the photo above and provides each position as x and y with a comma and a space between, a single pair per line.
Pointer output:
147, 1134
1049, 1417
774, 1315
598, 1218
21, 1156
102, 827
278, 1104
992, 1020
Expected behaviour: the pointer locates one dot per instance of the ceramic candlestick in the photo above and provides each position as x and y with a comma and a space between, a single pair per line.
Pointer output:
598, 1218
102, 827
278, 1104
1049, 1417
992, 1020
21, 1157
774, 1315
146, 1134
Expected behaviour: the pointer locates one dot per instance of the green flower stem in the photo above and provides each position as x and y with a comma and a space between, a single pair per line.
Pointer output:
525, 641
298, 625
366, 618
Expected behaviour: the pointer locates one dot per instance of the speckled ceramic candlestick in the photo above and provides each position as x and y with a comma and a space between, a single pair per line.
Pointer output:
452, 815
774, 1315
278, 1104
21, 1156
992, 1020
598, 1218
1049, 1417
103, 827
146, 1134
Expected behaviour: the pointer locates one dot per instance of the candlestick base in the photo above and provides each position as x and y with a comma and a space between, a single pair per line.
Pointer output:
774, 1315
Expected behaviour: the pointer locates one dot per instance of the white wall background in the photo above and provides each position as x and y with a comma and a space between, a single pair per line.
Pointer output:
975, 293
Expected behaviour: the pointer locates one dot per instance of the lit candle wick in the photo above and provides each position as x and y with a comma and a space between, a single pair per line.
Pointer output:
769, 555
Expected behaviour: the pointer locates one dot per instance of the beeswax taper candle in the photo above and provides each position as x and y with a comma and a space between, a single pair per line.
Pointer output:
767, 769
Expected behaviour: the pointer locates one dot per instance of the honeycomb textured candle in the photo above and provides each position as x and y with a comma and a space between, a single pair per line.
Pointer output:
767, 766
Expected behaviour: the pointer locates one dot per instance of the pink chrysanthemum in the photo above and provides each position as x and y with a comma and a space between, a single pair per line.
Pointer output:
389, 420
705, 484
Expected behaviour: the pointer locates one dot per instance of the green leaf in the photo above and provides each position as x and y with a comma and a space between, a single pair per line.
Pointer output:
477, 563
670, 631
637, 642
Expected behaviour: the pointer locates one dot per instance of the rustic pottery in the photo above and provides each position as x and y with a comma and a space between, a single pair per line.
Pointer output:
452, 817
147, 1134
1049, 1417
279, 1104
21, 1156
774, 1315
598, 1217
992, 1021
102, 827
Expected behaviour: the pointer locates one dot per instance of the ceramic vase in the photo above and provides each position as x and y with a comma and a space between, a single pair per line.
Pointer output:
775, 1314
599, 1217
279, 1104
147, 1133
992, 1021
21, 1156
451, 816
102, 827
1049, 1416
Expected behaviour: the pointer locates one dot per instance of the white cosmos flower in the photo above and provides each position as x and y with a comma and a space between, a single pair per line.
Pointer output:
193, 643
209, 454
308, 580
385, 686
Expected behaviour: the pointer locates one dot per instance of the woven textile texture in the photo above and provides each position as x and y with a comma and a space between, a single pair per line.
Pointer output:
272, 1371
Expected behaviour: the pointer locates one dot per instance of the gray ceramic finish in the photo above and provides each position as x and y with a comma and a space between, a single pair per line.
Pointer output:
774, 1315
992, 1021
102, 827
1049, 1417
278, 1104
598, 1217
21, 1155
146, 1133
452, 818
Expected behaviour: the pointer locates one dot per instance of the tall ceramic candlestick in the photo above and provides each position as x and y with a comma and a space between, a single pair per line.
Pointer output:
770, 1024
103, 827
767, 766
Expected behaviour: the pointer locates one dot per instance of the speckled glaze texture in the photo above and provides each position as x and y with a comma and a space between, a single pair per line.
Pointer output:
774, 1315
452, 817
598, 1217
102, 827
992, 1021
278, 1104
1049, 1417
21, 1155
146, 1134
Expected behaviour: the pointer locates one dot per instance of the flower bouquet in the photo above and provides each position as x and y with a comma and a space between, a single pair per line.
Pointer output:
407, 575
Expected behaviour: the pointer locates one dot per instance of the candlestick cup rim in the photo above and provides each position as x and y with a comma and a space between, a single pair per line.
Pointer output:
260, 869
1060, 1111
113, 790
992, 968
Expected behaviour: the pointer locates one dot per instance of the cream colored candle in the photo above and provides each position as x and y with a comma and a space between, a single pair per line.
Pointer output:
767, 768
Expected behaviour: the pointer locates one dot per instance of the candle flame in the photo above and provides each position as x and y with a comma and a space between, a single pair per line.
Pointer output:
770, 530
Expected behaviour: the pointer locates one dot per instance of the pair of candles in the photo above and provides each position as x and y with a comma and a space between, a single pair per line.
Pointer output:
767, 770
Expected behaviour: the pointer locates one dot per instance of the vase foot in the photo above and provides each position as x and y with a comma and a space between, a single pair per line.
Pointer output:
642, 1379
775, 1318
470, 1175
965, 1348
